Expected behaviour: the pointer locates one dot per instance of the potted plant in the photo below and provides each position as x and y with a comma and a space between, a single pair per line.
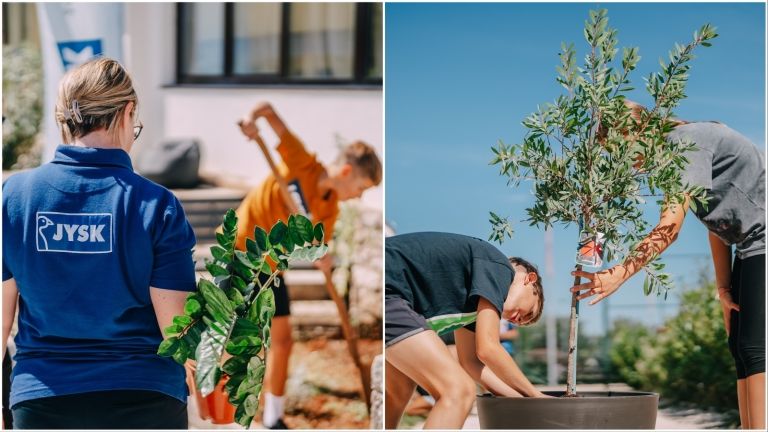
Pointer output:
592, 163
226, 322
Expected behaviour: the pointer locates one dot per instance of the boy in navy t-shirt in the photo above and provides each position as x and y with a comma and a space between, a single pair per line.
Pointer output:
438, 283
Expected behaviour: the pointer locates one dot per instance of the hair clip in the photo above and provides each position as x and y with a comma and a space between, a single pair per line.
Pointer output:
76, 111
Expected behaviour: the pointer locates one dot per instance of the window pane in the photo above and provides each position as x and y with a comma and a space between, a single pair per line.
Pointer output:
257, 38
203, 39
322, 40
377, 43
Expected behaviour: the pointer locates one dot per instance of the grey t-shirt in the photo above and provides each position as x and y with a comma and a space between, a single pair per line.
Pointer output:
732, 171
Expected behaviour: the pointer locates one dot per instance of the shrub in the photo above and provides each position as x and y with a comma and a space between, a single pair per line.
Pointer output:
22, 105
694, 352
687, 360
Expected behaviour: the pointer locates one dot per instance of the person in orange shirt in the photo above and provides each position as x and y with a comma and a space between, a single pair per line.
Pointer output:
317, 191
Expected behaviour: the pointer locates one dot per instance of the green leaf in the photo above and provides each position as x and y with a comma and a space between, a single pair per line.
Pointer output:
244, 344
265, 336
253, 247
319, 232
261, 237
310, 253
647, 285
245, 327
249, 386
173, 330
193, 308
220, 254
277, 232
264, 307
243, 258
208, 355
168, 347
230, 221
216, 301
235, 365
282, 265
231, 386
273, 255
301, 229
224, 241
265, 268
239, 283
251, 404
235, 297
288, 243
242, 418
182, 320
242, 270
182, 354
214, 326
216, 270
692, 203
256, 368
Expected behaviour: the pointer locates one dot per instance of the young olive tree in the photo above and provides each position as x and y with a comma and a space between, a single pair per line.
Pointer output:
592, 162
234, 312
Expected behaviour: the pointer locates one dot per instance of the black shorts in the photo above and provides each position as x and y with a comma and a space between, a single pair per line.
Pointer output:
282, 301
747, 337
114, 409
401, 321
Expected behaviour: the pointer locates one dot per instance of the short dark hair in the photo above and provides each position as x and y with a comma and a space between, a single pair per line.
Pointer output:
538, 287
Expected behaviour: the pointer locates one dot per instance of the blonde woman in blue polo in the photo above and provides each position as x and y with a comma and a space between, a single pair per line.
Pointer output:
97, 260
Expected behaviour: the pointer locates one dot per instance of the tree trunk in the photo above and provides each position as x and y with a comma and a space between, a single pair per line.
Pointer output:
573, 336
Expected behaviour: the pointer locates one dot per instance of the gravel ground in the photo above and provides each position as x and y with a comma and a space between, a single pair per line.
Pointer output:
322, 389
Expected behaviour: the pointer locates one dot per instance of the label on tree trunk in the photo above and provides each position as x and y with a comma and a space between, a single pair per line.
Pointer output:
590, 251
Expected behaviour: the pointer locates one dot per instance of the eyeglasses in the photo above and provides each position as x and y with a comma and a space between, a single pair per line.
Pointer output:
137, 130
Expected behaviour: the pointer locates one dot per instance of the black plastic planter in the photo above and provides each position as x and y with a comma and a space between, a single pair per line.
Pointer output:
589, 410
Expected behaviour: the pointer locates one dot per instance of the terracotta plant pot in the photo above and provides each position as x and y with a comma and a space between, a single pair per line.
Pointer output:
590, 410
214, 407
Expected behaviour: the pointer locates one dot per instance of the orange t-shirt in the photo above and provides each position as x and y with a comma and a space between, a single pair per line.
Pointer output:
264, 205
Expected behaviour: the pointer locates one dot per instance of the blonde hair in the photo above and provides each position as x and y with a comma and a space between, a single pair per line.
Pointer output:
638, 114
93, 96
363, 158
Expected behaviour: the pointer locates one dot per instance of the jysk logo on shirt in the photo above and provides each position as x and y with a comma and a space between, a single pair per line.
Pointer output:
87, 233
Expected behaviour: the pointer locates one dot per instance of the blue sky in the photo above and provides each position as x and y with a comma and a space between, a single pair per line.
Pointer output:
459, 77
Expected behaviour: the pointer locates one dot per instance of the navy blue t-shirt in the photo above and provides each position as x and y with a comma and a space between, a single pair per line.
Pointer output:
85, 237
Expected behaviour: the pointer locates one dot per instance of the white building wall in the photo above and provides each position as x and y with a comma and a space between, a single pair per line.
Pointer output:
316, 115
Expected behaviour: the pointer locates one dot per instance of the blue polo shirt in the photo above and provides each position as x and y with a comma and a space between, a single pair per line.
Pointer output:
85, 237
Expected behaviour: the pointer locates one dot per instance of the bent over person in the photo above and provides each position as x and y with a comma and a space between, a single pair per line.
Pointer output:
438, 283
316, 191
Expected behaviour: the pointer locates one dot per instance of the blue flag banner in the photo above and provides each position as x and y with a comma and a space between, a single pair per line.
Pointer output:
70, 35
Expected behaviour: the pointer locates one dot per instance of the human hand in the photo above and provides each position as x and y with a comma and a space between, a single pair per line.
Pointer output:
248, 128
542, 395
601, 284
726, 302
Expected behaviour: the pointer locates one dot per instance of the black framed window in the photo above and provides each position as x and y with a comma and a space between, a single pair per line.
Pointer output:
279, 43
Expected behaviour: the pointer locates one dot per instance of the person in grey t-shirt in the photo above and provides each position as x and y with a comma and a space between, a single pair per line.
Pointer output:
731, 169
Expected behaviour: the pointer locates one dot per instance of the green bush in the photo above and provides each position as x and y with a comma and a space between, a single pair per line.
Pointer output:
633, 355
695, 354
22, 105
687, 360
